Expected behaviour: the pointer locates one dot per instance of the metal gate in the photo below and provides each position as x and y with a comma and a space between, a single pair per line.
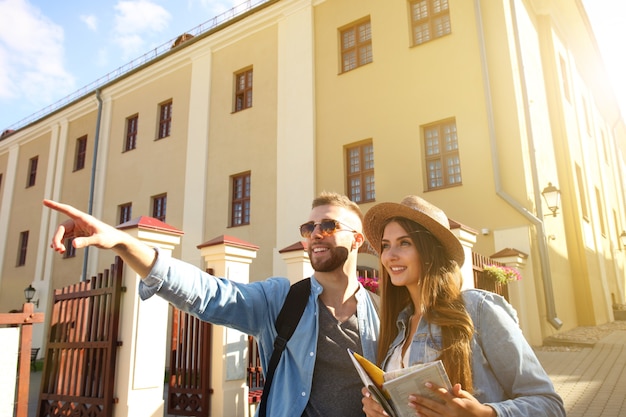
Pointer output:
189, 387
79, 369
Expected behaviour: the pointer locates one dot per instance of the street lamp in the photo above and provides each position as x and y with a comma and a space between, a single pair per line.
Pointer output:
552, 195
29, 293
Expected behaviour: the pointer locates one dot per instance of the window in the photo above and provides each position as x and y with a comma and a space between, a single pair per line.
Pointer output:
21, 254
32, 171
70, 250
430, 19
243, 90
159, 205
582, 193
125, 212
356, 45
81, 153
165, 120
441, 150
240, 205
360, 166
131, 132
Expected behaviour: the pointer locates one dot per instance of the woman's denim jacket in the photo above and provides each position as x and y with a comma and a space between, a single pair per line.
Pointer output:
506, 372
253, 308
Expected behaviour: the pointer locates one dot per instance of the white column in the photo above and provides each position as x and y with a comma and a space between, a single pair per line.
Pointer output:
143, 332
467, 237
43, 268
196, 159
298, 263
102, 166
230, 258
295, 141
517, 296
6, 201
522, 294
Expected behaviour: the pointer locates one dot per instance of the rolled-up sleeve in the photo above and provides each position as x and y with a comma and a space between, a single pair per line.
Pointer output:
151, 284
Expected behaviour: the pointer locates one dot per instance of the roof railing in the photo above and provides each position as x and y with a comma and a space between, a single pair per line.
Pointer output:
135, 63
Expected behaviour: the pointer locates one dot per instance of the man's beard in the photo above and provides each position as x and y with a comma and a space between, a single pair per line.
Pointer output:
338, 256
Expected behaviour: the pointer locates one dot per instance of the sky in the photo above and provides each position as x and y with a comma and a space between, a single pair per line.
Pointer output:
50, 49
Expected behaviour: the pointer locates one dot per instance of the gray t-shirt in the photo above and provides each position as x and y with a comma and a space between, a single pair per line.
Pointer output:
336, 389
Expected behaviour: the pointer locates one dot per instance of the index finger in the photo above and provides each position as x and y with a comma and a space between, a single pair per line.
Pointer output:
60, 207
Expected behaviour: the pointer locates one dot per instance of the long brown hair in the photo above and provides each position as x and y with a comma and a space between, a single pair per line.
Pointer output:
442, 304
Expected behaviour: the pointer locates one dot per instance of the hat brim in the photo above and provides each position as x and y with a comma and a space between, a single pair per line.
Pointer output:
377, 217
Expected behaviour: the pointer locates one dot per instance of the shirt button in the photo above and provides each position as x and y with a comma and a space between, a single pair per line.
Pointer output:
303, 394
311, 353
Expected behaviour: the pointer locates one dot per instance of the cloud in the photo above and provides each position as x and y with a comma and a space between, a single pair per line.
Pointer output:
135, 23
91, 21
32, 53
6, 86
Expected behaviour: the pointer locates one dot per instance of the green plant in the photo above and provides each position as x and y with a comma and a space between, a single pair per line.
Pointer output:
502, 274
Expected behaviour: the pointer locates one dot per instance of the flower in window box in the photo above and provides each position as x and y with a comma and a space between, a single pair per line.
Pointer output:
502, 274
369, 283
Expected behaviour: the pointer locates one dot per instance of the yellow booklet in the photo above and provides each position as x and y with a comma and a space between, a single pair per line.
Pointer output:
392, 389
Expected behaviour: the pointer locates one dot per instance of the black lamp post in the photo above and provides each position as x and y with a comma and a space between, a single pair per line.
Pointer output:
552, 195
29, 293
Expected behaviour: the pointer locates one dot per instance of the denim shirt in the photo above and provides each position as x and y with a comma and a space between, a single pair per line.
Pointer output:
506, 372
252, 308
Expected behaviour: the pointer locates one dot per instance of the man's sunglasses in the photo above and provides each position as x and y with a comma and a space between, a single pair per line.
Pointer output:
327, 227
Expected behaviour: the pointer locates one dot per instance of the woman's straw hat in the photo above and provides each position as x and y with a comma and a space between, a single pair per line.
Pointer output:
414, 208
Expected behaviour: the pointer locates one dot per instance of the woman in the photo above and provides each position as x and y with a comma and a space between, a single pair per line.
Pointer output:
426, 317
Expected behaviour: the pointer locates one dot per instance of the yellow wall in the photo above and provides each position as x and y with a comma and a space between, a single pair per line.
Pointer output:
244, 141
24, 215
497, 74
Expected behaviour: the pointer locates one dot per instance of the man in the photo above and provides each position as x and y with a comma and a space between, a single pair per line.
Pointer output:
315, 376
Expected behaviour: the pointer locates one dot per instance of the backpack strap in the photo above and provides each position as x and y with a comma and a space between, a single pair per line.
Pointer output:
286, 323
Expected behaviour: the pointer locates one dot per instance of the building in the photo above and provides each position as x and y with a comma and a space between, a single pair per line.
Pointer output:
475, 105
